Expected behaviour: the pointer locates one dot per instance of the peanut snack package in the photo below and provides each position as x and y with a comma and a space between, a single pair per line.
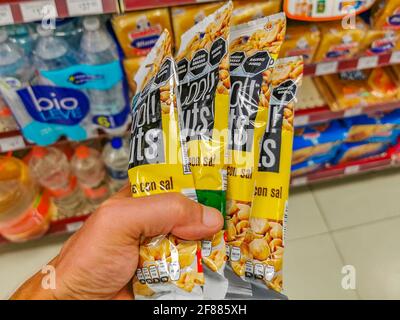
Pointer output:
254, 48
168, 268
263, 245
203, 71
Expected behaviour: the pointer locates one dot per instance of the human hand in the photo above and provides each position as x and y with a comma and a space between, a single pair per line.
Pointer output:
99, 261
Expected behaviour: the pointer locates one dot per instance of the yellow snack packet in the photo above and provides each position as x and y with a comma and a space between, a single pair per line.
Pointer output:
203, 70
254, 48
263, 245
137, 32
185, 17
169, 268
247, 10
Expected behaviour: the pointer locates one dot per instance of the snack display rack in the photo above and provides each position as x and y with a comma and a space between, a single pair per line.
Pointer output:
391, 159
21, 11
358, 63
323, 113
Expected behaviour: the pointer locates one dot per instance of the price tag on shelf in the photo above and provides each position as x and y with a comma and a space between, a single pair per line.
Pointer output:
6, 16
301, 181
351, 169
353, 112
326, 68
84, 7
395, 57
74, 226
11, 143
38, 10
301, 120
367, 62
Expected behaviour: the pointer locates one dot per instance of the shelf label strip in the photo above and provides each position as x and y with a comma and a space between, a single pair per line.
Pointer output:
367, 62
11, 143
84, 7
38, 10
326, 68
6, 16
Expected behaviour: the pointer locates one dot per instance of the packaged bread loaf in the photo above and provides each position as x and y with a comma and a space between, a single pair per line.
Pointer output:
254, 48
185, 17
338, 43
386, 15
263, 245
353, 151
301, 40
203, 70
379, 42
137, 32
168, 268
359, 88
247, 10
311, 142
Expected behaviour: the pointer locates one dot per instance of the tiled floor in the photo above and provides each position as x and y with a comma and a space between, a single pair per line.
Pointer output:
353, 222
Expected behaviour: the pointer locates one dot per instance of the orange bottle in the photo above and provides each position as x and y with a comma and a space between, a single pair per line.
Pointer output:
25, 212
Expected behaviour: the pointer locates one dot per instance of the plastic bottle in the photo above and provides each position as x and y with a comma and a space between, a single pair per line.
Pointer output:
14, 65
116, 157
23, 35
51, 169
52, 53
70, 30
97, 48
25, 212
89, 169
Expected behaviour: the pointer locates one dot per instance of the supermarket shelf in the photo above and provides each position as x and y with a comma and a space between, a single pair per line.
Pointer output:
322, 114
14, 140
358, 63
20, 11
132, 5
390, 160
64, 226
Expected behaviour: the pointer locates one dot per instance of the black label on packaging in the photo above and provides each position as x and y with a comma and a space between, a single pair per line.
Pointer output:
198, 81
246, 82
147, 141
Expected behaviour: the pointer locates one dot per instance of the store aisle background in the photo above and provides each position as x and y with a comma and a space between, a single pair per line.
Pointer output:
354, 222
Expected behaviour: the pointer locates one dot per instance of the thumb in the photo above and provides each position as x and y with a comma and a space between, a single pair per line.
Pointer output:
160, 214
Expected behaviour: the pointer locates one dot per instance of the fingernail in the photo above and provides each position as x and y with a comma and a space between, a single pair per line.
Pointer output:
211, 217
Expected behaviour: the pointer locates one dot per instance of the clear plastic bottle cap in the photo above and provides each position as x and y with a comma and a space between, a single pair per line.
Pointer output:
82, 152
116, 142
3, 35
91, 23
44, 32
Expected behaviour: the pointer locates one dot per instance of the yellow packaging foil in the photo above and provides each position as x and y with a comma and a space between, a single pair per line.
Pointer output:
263, 246
254, 48
203, 70
379, 42
247, 10
168, 267
338, 43
385, 15
137, 32
185, 17
301, 40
